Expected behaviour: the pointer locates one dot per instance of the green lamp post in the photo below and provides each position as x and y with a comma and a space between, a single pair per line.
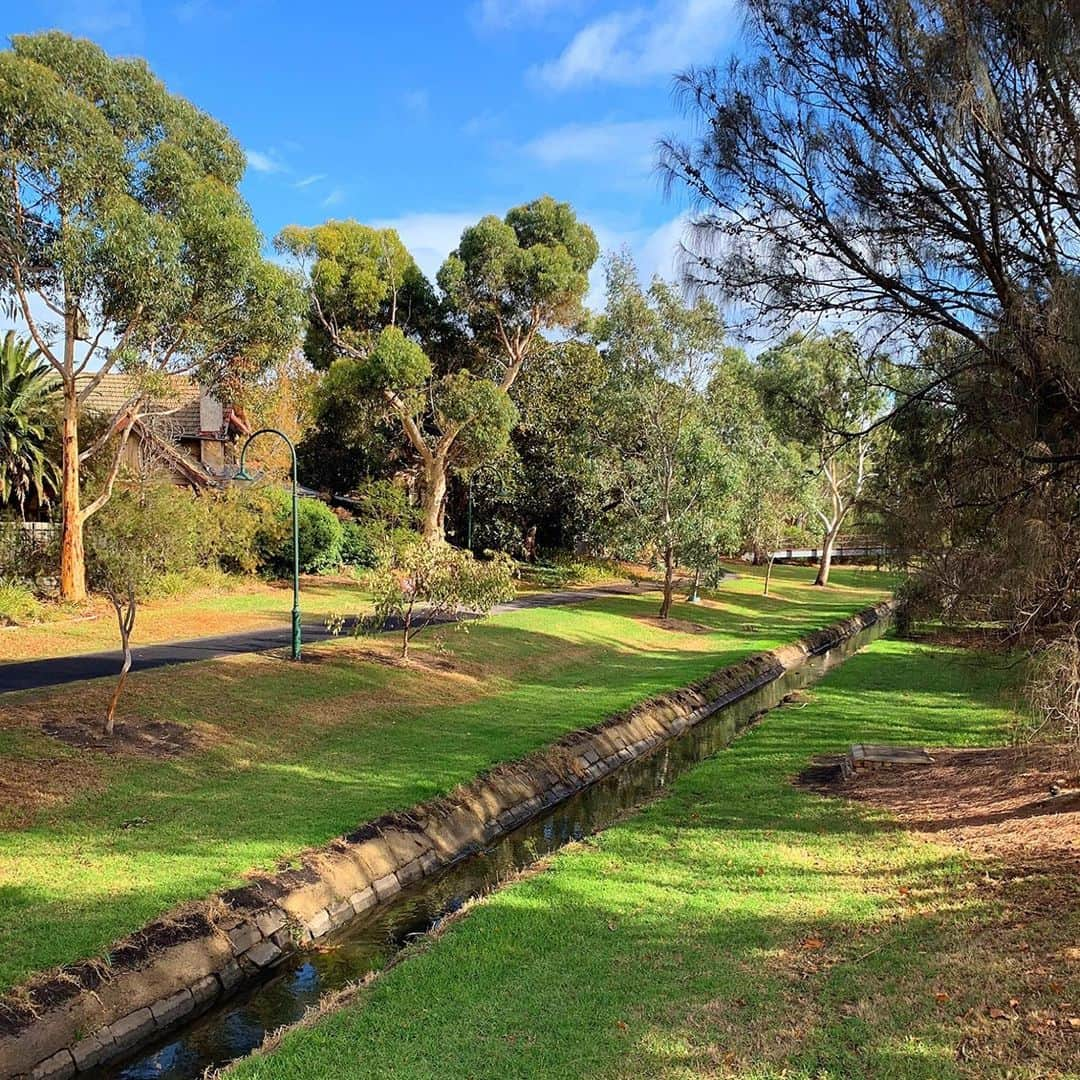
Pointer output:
243, 474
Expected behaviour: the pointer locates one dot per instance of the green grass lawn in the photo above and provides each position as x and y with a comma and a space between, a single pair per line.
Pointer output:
93, 845
740, 927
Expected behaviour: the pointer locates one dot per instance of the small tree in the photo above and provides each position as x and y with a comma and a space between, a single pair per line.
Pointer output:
669, 455
815, 391
131, 543
437, 583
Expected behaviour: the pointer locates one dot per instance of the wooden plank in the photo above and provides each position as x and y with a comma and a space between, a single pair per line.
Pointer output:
863, 754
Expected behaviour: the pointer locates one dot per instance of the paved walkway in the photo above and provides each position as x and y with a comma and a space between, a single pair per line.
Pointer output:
55, 670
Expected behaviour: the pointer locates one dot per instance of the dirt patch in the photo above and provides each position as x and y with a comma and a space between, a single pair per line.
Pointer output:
681, 626
29, 787
155, 739
993, 802
360, 654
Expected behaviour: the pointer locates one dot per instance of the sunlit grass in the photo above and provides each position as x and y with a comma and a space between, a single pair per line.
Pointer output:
291, 756
737, 928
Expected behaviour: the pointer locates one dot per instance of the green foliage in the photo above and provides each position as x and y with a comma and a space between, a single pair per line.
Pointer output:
387, 503
677, 451
394, 363
510, 278
362, 279
816, 388
28, 406
139, 535
433, 582
134, 212
482, 410
361, 543
18, 605
320, 535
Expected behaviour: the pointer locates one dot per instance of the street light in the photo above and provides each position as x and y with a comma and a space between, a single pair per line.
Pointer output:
243, 474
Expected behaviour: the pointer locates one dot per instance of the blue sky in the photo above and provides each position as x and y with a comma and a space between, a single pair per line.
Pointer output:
426, 115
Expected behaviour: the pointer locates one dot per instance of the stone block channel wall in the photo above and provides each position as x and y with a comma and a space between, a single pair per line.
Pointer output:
180, 966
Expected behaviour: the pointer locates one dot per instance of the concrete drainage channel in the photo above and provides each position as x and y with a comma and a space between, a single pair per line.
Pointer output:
244, 970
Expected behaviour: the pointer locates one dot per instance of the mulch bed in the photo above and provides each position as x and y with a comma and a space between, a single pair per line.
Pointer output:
157, 739
993, 802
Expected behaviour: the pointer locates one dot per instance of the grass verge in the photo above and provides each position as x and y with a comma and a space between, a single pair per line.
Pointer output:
743, 928
281, 758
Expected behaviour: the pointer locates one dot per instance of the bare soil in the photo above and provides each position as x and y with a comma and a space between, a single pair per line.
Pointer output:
993, 802
681, 626
155, 739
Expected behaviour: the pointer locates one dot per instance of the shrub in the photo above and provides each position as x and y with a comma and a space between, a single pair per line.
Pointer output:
432, 583
24, 557
321, 535
17, 604
362, 544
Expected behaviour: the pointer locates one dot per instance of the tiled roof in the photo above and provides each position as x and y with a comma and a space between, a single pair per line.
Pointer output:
180, 399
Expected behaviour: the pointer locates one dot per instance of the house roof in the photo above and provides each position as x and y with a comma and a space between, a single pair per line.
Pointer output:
179, 399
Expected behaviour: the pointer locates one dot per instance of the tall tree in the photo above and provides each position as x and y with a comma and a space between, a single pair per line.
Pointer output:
124, 241
28, 400
815, 390
913, 166
443, 371
668, 453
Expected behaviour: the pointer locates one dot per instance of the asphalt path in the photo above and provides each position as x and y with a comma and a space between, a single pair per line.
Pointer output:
57, 670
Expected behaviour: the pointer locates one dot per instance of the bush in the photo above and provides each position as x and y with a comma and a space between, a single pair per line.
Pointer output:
362, 543
24, 557
17, 604
321, 535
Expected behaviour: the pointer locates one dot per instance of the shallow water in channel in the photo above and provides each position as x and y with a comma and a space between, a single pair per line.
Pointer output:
238, 1025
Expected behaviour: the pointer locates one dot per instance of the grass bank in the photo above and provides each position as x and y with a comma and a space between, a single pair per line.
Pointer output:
743, 928
260, 759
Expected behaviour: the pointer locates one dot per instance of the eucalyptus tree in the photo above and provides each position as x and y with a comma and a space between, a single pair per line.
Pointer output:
815, 391
912, 166
442, 367
28, 406
673, 464
124, 243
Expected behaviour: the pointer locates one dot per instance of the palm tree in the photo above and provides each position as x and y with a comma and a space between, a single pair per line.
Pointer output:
27, 404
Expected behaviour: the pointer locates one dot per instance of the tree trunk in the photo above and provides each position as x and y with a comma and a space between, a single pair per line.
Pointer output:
669, 581
693, 598
125, 639
826, 557
768, 573
72, 557
431, 502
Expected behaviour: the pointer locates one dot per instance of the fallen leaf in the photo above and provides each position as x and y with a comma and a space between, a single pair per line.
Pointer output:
813, 943
941, 996
760, 871
998, 1014
1073, 1022
622, 1025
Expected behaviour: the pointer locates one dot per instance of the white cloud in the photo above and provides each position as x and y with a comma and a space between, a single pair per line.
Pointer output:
629, 144
264, 163
416, 101
640, 44
100, 18
431, 236
336, 197
314, 178
499, 14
